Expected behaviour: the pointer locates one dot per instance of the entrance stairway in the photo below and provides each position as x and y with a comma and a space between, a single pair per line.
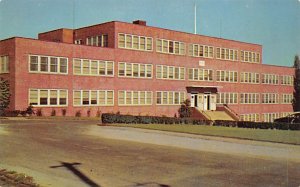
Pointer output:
222, 113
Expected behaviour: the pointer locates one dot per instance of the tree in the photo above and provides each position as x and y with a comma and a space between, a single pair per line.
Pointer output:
185, 110
296, 100
4, 95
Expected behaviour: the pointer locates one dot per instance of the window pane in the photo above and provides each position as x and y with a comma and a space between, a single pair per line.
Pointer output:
33, 63
77, 98
33, 97
53, 97
102, 68
77, 66
62, 97
44, 64
85, 98
110, 68
63, 65
53, 64
86, 67
101, 99
94, 67
43, 97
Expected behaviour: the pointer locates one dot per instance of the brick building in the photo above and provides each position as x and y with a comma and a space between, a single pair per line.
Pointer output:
138, 69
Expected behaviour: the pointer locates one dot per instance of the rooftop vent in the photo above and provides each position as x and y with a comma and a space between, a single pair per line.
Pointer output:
140, 22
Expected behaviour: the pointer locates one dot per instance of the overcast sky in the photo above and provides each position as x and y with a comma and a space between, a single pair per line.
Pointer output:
275, 24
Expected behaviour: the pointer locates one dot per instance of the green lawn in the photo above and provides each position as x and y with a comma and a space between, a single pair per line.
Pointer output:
282, 136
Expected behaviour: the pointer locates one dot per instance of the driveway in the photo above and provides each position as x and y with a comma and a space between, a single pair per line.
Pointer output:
79, 153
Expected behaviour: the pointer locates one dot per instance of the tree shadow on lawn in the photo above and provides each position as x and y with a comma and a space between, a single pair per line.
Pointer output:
72, 167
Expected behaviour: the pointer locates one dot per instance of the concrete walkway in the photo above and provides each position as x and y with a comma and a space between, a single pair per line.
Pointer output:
200, 143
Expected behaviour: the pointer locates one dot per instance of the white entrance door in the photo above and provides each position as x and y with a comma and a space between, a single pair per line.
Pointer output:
194, 100
213, 102
200, 101
206, 98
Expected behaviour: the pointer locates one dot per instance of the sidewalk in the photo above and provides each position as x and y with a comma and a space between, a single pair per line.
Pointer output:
200, 142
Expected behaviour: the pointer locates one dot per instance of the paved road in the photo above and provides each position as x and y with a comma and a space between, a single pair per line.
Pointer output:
78, 153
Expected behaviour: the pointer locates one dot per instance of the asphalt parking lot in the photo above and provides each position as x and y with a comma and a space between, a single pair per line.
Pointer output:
66, 153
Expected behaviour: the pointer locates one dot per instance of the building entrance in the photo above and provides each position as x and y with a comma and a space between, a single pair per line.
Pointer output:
203, 101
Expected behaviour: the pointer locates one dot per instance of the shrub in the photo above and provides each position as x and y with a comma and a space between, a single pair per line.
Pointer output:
29, 110
88, 113
98, 114
185, 110
78, 113
64, 112
53, 112
39, 112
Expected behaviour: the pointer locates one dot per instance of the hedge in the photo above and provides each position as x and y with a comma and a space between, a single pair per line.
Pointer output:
130, 119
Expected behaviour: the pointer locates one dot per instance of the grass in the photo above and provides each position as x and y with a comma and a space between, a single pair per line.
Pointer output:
280, 136
12, 178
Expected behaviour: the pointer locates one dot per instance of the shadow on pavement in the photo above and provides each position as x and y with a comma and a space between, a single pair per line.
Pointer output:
79, 174
152, 184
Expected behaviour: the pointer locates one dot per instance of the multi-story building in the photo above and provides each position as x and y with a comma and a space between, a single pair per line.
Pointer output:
139, 69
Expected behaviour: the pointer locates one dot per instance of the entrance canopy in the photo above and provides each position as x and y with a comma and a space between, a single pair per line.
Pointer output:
202, 89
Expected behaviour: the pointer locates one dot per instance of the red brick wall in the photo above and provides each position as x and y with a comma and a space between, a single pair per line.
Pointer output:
60, 35
22, 80
7, 48
96, 30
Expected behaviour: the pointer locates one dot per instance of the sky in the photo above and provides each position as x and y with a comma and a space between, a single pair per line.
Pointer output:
274, 24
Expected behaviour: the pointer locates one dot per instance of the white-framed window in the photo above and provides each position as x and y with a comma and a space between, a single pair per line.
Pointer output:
198, 50
48, 97
170, 46
169, 97
249, 56
4, 64
170, 72
196, 74
93, 67
287, 80
226, 54
270, 79
48, 64
93, 97
100, 40
135, 42
250, 77
287, 98
227, 76
270, 98
135, 70
227, 98
269, 117
132, 98
250, 117
249, 98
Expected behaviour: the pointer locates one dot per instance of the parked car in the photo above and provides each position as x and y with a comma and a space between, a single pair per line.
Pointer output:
292, 118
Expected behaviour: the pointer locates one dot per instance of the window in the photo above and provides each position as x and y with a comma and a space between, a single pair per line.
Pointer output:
249, 56
170, 72
48, 97
169, 97
4, 64
227, 98
170, 47
287, 98
34, 63
287, 80
197, 50
226, 54
196, 74
249, 98
227, 76
93, 98
48, 64
93, 67
270, 98
269, 117
249, 77
101, 40
270, 79
135, 98
250, 117
129, 41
